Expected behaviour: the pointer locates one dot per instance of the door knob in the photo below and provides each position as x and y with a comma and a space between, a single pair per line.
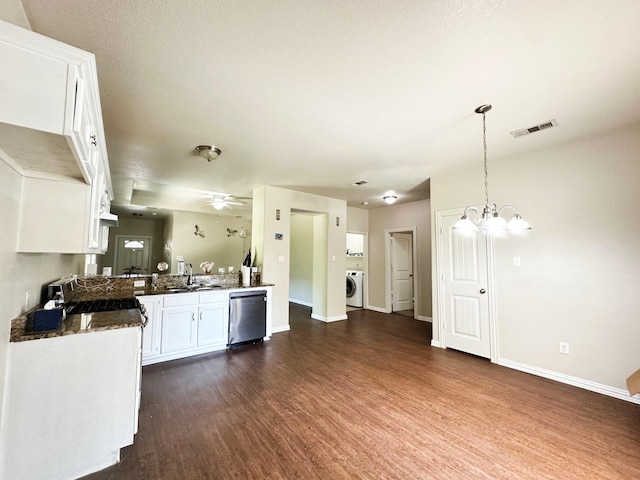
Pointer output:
483, 291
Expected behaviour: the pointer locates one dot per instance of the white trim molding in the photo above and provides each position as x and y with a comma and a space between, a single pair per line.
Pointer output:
337, 318
301, 302
422, 318
283, 328
569, 380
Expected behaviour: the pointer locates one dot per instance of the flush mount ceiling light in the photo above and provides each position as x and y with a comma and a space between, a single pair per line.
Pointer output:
389, 199
491, 219
208, 152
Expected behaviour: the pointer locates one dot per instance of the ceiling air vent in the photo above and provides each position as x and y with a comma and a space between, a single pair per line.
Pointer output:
535, 128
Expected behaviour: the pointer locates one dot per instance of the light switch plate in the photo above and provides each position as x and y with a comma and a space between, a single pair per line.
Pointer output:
138, 283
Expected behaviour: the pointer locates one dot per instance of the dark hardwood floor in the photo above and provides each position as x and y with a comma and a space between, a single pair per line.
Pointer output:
368, 398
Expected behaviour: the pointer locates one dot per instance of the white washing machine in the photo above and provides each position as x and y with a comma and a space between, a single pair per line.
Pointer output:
354, 288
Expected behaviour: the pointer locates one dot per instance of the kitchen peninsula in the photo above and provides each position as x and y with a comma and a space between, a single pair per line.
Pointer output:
82, 382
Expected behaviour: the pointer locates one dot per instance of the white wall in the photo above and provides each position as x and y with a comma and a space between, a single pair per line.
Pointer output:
580, 271
266, 200
357, 220
406, 215
216, 246
12, 11
301, 270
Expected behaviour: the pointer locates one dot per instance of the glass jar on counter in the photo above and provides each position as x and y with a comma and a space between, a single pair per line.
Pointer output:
255, 277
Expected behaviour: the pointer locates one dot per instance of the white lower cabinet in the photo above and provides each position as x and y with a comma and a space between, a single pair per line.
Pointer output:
151, 331
184, 324
178, 329
213, 319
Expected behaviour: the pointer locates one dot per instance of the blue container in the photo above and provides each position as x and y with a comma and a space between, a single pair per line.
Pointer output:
45, 320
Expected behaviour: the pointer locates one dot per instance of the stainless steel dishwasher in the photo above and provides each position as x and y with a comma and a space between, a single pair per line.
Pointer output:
247, 317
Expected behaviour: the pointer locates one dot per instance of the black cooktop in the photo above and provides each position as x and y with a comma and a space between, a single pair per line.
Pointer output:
93, 306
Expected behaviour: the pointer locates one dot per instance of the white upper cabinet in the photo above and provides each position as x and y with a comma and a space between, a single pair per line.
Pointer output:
51, 129
50, 115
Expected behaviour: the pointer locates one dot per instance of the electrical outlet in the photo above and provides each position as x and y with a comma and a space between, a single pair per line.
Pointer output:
516, 261
26, 300
564, 348
138, 283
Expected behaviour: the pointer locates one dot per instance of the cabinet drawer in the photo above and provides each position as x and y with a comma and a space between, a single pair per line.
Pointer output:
213, 297
180, 299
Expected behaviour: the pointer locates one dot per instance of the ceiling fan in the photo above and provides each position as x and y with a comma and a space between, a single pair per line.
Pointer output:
220, 201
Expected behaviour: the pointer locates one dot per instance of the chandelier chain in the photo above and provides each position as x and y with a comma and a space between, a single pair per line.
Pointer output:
486, 170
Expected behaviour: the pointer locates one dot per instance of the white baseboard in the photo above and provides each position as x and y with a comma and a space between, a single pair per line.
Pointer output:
378, 309
422, 318
301, 302
329, 319
436, 343
569, 380
282, 328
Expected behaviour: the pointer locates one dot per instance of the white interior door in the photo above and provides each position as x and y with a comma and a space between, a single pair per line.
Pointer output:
402, 271
132, 254
465, 280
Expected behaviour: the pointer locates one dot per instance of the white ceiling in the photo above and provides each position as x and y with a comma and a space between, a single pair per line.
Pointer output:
315, 95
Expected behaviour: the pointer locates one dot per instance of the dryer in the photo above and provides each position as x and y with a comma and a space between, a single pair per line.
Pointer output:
354, 288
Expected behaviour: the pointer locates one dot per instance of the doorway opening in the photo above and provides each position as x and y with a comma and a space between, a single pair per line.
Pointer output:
308, 268
401, 271
356, 279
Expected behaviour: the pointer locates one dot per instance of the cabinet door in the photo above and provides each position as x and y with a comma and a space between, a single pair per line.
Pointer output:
178, 329
93, 234
150, 347
34, 86
213, 324
84, 135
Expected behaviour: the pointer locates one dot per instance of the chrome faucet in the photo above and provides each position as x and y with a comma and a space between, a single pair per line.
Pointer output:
190, 274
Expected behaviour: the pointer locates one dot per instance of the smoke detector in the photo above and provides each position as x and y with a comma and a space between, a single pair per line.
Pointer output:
535, 128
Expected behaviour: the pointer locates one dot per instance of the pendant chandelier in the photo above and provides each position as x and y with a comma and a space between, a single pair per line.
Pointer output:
491, 220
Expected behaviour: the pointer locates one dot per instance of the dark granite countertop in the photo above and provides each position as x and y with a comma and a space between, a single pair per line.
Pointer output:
95, 322
80, 323
170, 290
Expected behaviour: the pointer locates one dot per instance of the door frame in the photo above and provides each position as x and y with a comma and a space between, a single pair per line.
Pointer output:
115, 251
387, 268
491, 284
365, 266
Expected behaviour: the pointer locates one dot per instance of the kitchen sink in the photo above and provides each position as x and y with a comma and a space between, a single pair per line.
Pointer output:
191, 288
